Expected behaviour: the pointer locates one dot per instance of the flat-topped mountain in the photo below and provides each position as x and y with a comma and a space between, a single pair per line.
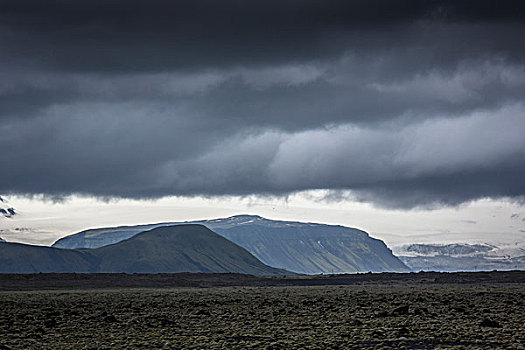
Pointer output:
294, 246
182, 248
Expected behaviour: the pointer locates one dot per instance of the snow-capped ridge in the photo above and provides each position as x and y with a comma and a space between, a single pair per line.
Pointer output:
6, 210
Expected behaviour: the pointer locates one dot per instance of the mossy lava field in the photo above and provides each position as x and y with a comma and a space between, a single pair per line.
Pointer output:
411, 313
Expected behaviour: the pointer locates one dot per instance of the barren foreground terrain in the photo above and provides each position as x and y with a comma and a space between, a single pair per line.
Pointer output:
390, 313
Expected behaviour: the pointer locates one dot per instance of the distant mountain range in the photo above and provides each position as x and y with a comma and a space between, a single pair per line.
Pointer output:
461, 257
6, 210
299, 247
183, 248
448, 249
307, 248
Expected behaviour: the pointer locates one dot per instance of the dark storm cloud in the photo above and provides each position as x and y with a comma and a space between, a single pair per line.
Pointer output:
157, 35
398, 103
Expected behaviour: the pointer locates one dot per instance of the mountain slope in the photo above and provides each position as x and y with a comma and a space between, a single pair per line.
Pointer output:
183, 248
294, 246
24, 258
96, 238
315, 249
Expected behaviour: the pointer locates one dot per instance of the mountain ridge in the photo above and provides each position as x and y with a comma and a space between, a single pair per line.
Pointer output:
171, 249
309, 248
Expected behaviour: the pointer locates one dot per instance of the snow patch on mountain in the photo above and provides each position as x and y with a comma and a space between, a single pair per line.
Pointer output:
463, 256
6, 211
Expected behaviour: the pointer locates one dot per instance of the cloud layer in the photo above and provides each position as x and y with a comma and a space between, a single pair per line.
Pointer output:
400, 105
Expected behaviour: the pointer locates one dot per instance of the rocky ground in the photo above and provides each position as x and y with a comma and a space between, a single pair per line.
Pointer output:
391, 314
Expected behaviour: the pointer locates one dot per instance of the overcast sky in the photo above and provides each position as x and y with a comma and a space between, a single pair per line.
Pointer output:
399, 104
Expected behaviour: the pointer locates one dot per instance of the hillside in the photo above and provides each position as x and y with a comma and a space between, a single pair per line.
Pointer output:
183, 248
310, 248
294, 246
24, 258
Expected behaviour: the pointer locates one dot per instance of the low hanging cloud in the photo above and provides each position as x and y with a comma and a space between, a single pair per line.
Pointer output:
440, 161
401, 105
